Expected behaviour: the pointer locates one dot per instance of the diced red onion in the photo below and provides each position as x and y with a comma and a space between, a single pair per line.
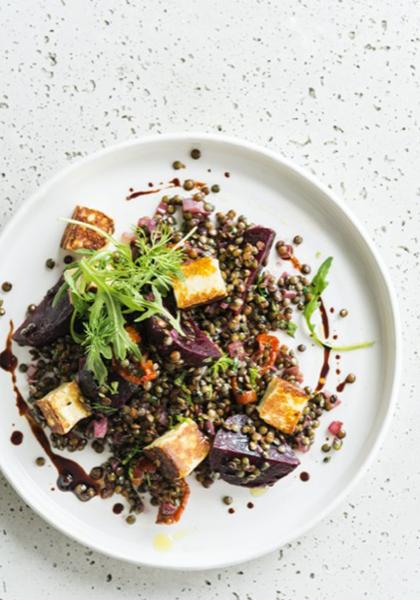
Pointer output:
194, 207
100, 426
30, 373
147, 222
162, 208
236, 349
335, 427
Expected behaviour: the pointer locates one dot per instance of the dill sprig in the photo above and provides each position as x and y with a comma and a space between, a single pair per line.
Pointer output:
107, 284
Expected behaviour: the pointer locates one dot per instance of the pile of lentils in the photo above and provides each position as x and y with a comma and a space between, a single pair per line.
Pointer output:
206, 393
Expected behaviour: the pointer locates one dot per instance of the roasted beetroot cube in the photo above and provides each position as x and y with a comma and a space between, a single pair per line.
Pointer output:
195, 347
231, 447
47, 322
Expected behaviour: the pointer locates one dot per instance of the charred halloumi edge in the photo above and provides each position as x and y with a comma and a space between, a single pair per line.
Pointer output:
178, 451
202, 283
63, 407
282, 405
76, 237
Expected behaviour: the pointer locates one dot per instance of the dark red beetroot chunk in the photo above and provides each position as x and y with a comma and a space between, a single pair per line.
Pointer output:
195, 347
256, 234
90, 388
229, 445
47, 322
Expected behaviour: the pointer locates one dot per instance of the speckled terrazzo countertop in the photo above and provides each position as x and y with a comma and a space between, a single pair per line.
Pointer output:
333, 86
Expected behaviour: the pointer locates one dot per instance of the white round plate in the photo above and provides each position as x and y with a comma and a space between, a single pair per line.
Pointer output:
271, 192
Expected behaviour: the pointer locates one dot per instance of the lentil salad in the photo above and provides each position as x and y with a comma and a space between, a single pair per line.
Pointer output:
206, 367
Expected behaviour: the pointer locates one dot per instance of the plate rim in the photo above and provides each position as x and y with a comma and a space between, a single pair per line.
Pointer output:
383, 428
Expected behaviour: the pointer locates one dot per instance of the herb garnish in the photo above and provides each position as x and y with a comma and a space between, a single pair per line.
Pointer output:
291, 328
253, 376
314, 290
223, 364
107, 284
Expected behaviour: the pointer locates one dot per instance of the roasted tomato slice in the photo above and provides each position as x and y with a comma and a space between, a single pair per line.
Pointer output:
170, 513
139, 372
269, 347
247, 397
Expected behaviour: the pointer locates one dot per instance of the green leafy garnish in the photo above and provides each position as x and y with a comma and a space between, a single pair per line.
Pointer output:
180, 419
131, 454
253, 376
106, 410
223, 364
107, 284
291, 328
315, 289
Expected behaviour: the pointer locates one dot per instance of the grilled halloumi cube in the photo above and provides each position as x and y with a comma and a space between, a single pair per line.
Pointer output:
178, 451
63, 407
76, 237
282, 405
202, 283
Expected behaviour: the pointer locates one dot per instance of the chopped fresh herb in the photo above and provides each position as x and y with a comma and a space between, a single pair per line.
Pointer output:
107, 284
106, 410
179, 380
133, 452
253, 376
181, 419
223, 364
314, 290
113, 387
291, 328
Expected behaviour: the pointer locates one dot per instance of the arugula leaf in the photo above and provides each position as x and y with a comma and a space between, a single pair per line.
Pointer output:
318, 284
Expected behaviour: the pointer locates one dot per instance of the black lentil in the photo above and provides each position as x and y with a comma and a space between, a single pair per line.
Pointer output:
177, 164
188, 185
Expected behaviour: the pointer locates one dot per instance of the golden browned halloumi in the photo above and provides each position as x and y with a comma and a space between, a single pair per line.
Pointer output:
202, 283
282, 405
76, 237
178, 451
63, 407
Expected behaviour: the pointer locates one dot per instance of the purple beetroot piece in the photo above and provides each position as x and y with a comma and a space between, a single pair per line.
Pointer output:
231, 445
195, 347
256, 234
47, 322
90, 388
